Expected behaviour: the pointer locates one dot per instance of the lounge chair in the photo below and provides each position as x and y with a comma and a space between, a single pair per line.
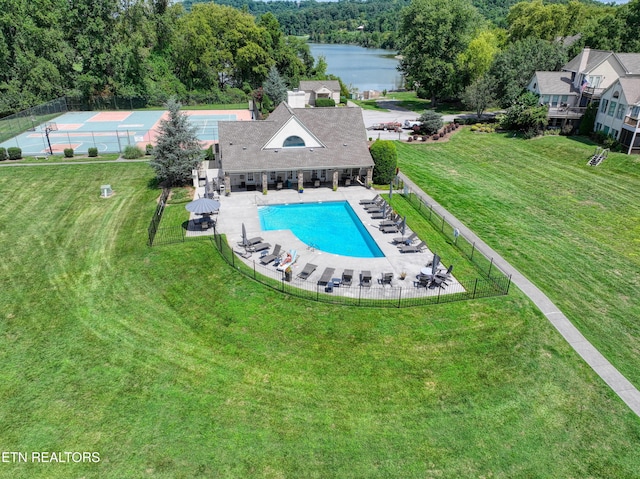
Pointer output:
251, 241
437, 282
270, 257
381, 203
389, 229
408, 240
371, 201
386, 279
347, 182
307, 271
258, 247
327, 274
394, 220
243, 254
422, 281
347, 277
365, 279
408, 248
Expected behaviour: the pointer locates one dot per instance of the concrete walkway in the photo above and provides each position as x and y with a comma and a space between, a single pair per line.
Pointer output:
603, 368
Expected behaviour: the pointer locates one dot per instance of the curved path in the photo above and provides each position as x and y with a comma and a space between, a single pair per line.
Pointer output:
609, 374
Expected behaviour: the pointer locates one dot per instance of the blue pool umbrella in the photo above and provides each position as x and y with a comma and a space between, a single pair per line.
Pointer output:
203, 206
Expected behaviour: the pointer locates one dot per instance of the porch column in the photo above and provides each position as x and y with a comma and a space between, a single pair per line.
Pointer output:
227, 183
300, 180
335, 180
265, 185
369, 181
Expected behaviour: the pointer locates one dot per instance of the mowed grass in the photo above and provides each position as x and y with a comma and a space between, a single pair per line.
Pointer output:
171, 365
572, 229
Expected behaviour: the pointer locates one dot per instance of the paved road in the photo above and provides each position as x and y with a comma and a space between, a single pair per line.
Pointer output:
609, 374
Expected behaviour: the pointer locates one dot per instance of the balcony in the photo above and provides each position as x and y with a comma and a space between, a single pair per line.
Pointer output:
632, 122
593, 93
568, 112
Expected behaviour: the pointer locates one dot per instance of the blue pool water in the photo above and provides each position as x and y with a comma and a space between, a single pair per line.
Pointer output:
332, 227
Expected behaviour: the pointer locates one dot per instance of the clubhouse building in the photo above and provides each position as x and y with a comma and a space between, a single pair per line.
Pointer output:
295, 148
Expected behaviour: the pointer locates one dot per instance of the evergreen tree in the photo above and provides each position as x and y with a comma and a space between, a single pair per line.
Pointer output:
275, 87
430, 122
178, 150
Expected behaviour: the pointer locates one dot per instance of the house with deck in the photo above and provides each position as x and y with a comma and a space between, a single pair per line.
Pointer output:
295, 148
581, 81
619, 112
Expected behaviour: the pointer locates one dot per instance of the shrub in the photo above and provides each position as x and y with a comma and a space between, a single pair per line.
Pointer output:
435, 137
530, 133
14, 152
209, 155
68, 152
93, 152
325, 102
131, 152
431, 122
567, 130
148, 149
3, 154
410, 139
385, 158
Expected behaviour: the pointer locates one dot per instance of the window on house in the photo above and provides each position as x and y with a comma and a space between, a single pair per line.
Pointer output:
612, 108
614, 133
594, 80
293, 142
272, 176
635, 112
603, 106
598, 126
564, 98
606, 130
249, 176
544, 99
620, 113
554, 101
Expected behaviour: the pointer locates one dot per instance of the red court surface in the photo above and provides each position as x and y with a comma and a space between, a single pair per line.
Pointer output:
110, 116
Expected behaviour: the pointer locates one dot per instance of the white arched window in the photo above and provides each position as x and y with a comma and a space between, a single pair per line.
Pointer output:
293, 142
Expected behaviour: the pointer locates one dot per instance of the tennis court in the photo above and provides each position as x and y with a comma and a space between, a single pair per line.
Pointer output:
112, 131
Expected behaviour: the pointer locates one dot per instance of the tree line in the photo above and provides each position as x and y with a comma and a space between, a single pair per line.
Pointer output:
141, 48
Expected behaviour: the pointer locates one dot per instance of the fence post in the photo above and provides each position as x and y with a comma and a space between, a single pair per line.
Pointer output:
508, 284
400, 297
442, 227
490, 265
254, 269
475, 287
439, 289
359, 294
430, 211
473, 248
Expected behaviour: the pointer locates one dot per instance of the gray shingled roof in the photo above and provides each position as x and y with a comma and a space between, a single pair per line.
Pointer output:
594, 58
630, 61
315, 85
555, 83
631, 88
340, 130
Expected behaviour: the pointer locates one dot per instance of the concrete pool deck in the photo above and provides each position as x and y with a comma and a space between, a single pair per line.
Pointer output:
242, 207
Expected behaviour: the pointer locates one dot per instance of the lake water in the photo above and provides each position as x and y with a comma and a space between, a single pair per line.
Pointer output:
363, 68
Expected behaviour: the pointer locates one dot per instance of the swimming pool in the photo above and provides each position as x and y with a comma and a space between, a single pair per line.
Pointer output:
332, 227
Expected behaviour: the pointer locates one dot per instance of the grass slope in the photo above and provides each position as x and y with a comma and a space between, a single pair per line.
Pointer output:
572, 229
171, 365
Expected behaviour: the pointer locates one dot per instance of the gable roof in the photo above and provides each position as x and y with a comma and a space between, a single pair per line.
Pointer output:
555, 83
630, 62
592, 58
319, 85
340, 134
630, 86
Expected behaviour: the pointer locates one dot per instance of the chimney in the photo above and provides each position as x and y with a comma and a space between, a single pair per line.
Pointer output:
584, 58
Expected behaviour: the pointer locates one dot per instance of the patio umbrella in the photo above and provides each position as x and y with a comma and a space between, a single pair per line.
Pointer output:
390, 190
203, 206
244, 235
436, 261
403, 225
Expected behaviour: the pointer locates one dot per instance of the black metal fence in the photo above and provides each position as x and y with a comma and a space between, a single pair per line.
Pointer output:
29, 119
400, 294
468, 248
157, 216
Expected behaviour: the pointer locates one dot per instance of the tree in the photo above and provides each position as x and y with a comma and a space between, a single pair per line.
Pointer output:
385, 158
479, 95
275, 87
476, 60
433, 34
526, 114
430, 122
514, 67
178, 150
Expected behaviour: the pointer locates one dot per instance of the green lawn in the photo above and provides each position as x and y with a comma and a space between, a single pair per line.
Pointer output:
61, 158
573, 229
171, 365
